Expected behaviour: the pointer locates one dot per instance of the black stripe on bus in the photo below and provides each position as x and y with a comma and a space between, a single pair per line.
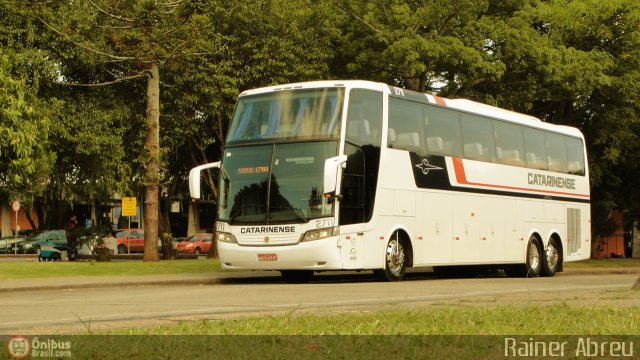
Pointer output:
431, 172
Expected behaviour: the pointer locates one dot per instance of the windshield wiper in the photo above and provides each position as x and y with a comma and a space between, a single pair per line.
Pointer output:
300, 215
233, 218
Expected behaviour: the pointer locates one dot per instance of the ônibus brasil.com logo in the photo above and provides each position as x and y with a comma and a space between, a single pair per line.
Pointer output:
20, 347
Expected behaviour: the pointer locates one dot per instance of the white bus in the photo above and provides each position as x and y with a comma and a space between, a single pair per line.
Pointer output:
357, 175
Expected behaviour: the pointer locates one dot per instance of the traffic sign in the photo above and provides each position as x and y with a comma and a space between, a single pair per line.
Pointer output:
129, 206
15, 205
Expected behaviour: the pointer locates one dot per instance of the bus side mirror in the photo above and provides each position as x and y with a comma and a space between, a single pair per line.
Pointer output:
194, 178
331, 166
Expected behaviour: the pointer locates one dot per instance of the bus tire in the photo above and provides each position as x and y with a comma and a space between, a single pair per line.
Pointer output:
395, 263
534, 257
551, 260
297, 276
533, 263
122, 249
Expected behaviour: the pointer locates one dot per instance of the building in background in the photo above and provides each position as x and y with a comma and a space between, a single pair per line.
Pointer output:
620, 244
8, 221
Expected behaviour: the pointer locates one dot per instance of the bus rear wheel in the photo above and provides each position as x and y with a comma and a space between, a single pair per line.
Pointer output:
297, 276
395, 262
551, 260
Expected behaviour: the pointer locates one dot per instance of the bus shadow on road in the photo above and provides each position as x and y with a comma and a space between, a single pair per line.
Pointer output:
336, 277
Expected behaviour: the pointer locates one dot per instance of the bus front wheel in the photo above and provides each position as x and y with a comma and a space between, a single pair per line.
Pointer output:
395, 262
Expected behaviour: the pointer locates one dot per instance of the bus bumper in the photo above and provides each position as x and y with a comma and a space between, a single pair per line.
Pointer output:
313, 255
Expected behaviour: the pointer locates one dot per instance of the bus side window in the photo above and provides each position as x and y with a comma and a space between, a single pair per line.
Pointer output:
557, 152
406, 130
477, 133
575, 156
509, 144
442, 131
535, 148
364, 120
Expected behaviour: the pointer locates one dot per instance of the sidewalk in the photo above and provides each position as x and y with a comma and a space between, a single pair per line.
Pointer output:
210, 278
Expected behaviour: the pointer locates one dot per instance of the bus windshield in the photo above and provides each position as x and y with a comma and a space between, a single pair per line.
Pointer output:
275, 183
287, 115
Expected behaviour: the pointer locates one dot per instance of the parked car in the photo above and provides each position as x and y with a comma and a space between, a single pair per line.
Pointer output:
7, 243
178, 240
130, 240
196, 244
53, 253
33, 243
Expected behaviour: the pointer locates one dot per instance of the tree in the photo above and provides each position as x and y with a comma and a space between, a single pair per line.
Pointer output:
568, 62
25, 158
80, 151
205, 51
131, 40
586, 75
417, 45
265, 43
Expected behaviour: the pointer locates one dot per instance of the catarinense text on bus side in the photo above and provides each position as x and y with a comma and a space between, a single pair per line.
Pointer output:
552, 181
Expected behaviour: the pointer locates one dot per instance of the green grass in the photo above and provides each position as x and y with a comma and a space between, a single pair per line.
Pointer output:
35, 269
603, 263
562, 319
432, 332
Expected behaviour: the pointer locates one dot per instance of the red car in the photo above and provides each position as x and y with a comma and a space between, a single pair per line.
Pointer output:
196, 244
130, 240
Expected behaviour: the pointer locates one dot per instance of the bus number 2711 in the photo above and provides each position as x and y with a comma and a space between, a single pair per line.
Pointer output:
324, 223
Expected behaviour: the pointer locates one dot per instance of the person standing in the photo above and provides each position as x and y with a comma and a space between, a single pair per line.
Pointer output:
71, 232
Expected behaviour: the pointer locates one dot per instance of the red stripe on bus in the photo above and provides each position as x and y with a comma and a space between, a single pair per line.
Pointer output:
440, 101
461, 177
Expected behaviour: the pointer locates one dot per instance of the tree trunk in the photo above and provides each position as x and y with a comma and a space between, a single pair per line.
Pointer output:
152, 165
192, 221
27, 214
164, 223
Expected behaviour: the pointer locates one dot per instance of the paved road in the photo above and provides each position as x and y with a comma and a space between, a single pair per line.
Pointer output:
73, 310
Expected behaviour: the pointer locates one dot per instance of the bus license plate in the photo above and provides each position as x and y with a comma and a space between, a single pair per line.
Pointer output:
267, 257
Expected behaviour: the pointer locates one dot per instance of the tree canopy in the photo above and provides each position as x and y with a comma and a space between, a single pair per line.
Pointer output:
100, 97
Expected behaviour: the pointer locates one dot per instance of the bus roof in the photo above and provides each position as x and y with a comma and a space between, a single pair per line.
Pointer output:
464, 105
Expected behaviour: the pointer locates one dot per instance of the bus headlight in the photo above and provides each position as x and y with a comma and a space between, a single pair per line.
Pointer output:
226, 237
318, 234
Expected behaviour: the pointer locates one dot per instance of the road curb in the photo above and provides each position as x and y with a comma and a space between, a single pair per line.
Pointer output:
596, 271
212, 281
